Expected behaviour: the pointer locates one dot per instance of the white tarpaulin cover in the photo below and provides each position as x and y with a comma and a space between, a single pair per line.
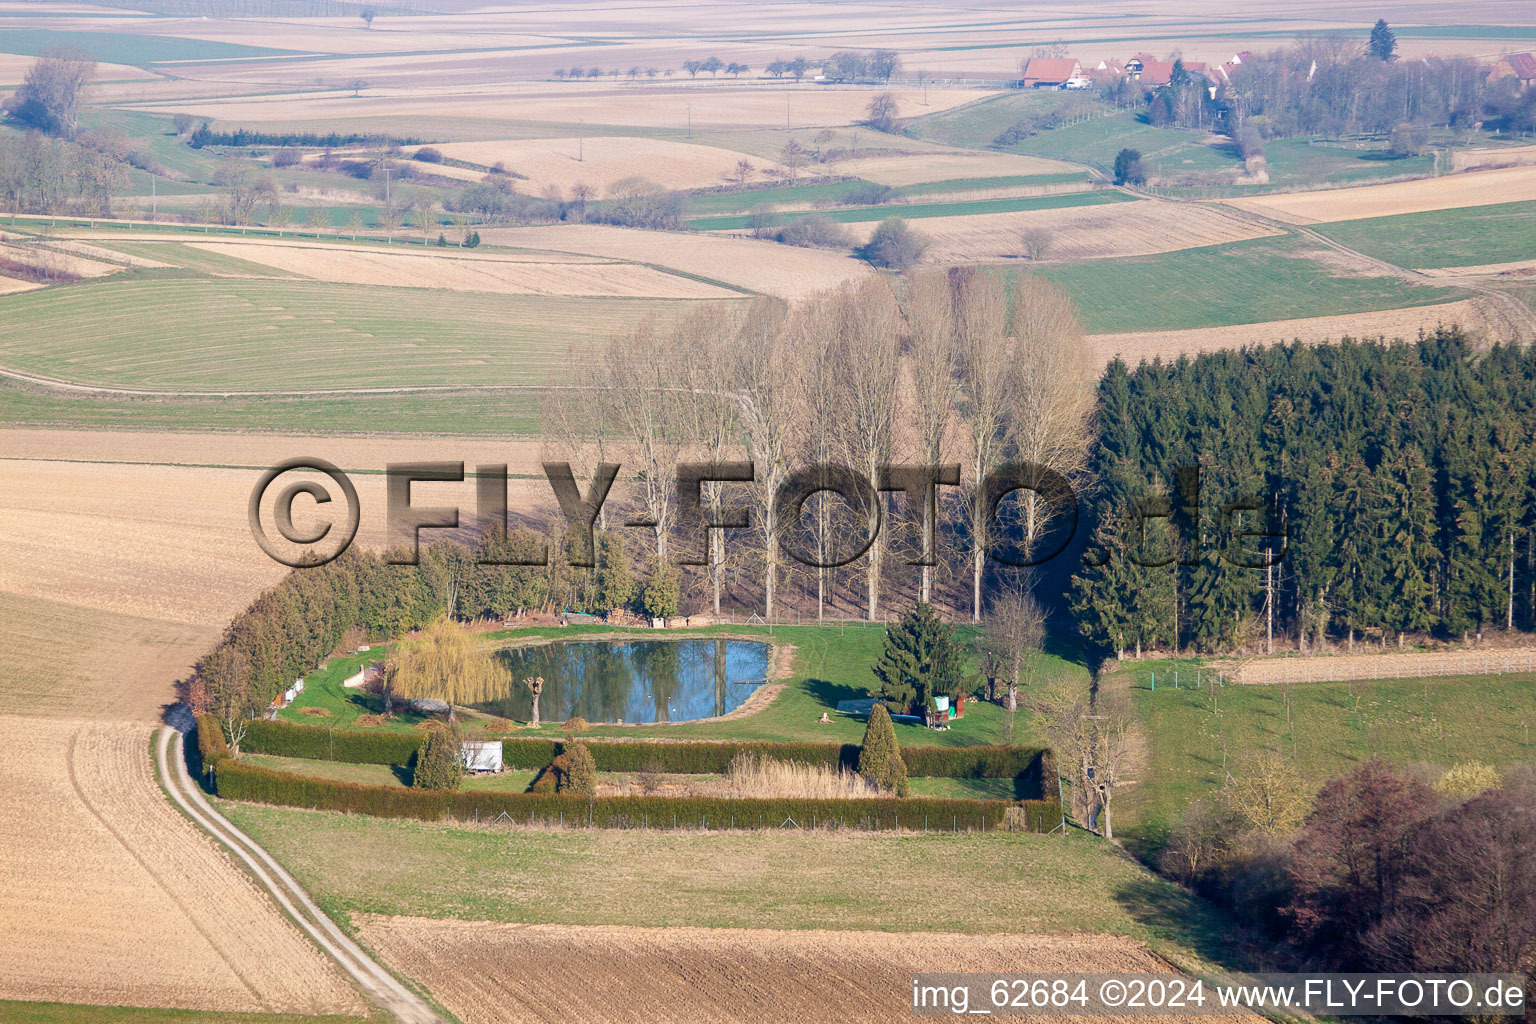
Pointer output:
482, 755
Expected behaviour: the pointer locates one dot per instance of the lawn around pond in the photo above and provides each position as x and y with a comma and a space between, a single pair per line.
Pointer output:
831, 663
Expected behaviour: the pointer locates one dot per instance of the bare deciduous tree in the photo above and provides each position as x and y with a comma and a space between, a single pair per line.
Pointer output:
1013, 638
535, 686
765, 383
1052, 394
53, 91
931, 363
1036, 242
867, 326
986, 355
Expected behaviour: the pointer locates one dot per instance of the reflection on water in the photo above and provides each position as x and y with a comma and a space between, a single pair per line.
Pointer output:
646, 681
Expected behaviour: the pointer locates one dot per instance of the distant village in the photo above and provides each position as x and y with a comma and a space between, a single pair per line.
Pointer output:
1069, 73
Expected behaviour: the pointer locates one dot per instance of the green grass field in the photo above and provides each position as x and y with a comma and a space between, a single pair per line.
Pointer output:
831, 664
1466, 237
18, 1012
194, 334
924, 211
1167, 152
711, 204
462, 412
1305, 162
998, 181
975, 125
127, 47
791, 879
1240, 283
1324, 729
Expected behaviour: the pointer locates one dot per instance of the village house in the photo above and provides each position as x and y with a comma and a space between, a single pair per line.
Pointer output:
1520, 66
1053, 73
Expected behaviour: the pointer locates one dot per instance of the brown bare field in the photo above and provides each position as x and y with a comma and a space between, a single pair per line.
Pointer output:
922, 167
114, 898
744, 262
638, 105
10, 285
1081, 232
1473, 188
14, 66
115, 577
1505, 156
1392, 323
1406, 665
489, 973
1515, 268
54, 261
96, 252
65, 661
514, 276
605, 160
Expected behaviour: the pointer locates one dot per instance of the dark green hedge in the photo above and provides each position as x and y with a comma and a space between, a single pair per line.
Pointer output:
321, 743
679, 758
240, 781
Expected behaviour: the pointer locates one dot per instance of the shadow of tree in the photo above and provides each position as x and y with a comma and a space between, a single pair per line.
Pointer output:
1178, 916
828, 693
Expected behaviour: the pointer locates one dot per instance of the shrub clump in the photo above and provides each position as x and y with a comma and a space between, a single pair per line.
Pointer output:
894, 245
439, 765
580, 775
814, 232
880, 758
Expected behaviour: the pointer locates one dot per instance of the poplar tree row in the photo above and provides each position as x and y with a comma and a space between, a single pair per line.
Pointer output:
1400, 475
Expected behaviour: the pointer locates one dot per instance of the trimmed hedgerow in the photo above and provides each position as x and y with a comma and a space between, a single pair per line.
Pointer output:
317, 742
211, 744
289, 739
241, 781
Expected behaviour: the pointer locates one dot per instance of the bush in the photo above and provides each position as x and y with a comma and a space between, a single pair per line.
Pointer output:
428, 155
1129, 169
868, 193
814, 231
580, 775
880, 757
894, 245
286, 157
237, 780
576, 724
439, 764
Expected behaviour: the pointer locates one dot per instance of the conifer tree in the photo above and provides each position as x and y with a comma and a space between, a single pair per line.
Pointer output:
579, 777
922, 660
880, 759
439, 764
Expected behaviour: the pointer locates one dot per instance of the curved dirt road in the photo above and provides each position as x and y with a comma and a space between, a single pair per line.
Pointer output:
376, 983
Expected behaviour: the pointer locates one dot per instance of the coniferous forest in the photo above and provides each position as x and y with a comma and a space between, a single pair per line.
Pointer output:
1397, 477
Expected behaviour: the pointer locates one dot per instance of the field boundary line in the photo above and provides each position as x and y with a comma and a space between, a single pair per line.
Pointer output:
376, 983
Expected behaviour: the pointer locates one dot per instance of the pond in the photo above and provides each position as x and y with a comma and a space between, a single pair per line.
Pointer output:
641, 681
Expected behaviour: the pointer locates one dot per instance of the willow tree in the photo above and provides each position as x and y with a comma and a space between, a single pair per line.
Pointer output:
445, 662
